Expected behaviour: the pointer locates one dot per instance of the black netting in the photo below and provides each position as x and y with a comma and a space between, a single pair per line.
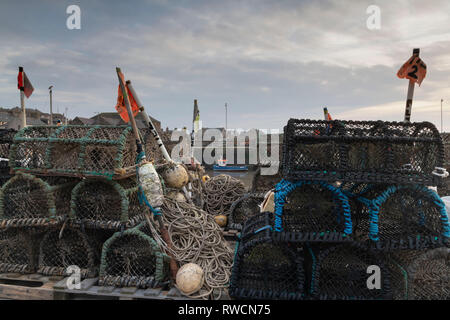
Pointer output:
340, 272
266, 270
407, 217
259, 226
31, 200
312, 211
101, 203
133, 259
264, 183
243, 209
421, 274
362, 151
18, 250
69, 247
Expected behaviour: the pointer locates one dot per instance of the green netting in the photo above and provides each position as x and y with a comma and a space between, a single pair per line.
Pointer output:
27, 200
107, 204
132, 259
74, 150
19, 250
60, 249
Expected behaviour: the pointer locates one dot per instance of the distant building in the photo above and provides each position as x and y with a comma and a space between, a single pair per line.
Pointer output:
12, 118
113, 119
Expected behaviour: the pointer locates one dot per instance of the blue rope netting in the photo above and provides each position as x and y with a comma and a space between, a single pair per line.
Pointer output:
285, 187
141, 195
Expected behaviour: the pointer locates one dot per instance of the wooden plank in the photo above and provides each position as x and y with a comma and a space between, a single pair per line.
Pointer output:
152, 292
128, 290
16, 292
88, 283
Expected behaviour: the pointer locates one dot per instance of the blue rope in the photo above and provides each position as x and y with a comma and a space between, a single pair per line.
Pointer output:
375, 204
263, 228
285, 187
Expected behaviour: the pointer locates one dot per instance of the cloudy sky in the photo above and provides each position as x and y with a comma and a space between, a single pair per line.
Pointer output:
269, 60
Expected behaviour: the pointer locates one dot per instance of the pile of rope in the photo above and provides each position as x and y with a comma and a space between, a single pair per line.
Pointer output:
197, 238
220, 193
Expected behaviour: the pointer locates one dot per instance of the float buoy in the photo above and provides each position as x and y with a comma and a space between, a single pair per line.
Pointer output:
221, 220
175, 176
177, 196
190, 278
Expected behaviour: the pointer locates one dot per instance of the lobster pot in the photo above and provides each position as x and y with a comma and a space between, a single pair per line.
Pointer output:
27, 200
71, 248
311, 211
6, 137
362, 151
264, 183
19, 250
266, 270
405, 217
243, 209
221, 192
133, 259
360, 210
340, 272
420, 274
107, 204
258, 227
4, 172
82, 151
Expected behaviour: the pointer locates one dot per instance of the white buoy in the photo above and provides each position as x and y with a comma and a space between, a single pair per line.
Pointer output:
190, 278
175, 176
151, 185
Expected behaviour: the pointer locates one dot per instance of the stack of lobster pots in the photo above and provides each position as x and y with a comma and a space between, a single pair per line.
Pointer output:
356, 216
73, 189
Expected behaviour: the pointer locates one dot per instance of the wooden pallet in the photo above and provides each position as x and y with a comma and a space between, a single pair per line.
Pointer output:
89, 289
27, 286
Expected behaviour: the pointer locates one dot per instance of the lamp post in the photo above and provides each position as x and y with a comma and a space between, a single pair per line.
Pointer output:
442, 127
51, 109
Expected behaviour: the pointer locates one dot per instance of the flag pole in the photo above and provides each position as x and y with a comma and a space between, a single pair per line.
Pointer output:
154, 132
22, 99
410, 94
149, 123
164, 232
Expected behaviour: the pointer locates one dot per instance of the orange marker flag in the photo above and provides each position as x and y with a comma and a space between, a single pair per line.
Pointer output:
414, 69
120, 106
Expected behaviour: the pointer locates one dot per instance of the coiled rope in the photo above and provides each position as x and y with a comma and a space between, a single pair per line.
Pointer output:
220, 193
197, 238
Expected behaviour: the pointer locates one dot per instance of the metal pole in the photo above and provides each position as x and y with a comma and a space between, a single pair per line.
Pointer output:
51, 106
226, 118
410, 95
442, 127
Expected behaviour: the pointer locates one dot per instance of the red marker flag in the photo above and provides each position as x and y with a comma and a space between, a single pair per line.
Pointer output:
23, 83
414, 69
120, 106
